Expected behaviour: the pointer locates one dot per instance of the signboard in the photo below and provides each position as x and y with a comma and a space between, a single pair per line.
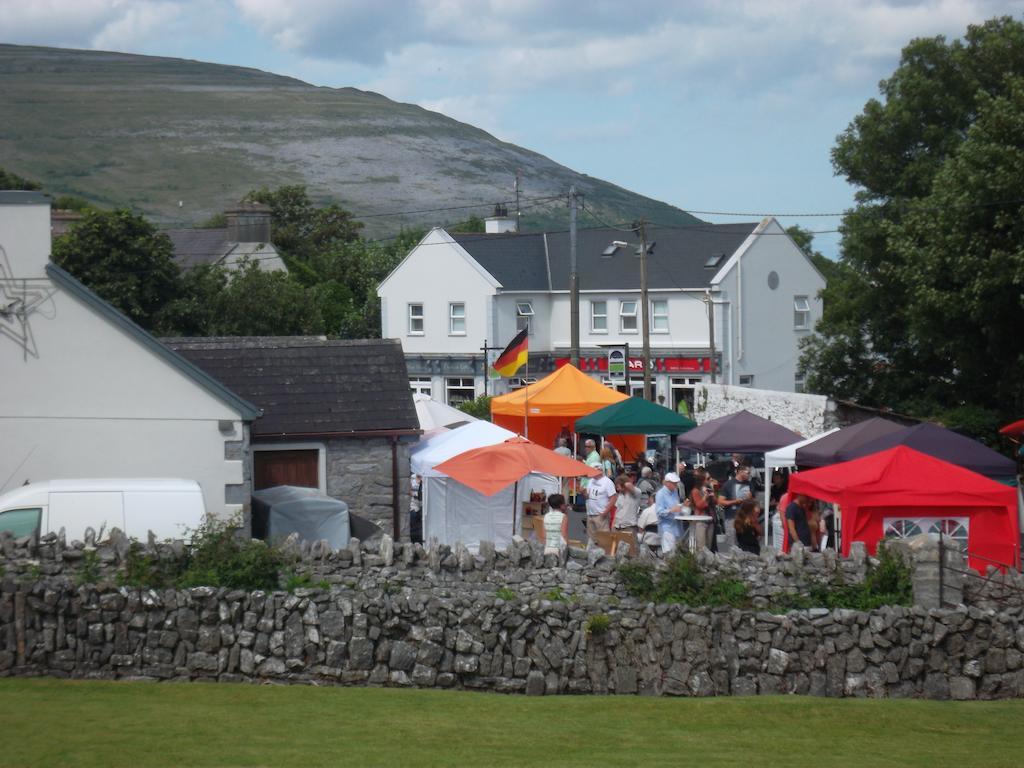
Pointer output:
617, 364
636, 364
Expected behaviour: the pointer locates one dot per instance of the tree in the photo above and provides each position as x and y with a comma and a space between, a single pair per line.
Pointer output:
124, 259
804, 240
10, 180
922, 314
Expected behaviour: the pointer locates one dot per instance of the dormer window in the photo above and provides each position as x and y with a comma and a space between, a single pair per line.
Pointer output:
524, 316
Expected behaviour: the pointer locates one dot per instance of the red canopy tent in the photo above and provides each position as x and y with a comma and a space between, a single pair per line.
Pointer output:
902, 489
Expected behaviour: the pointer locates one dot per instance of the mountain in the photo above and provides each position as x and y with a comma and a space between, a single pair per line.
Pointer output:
181, 140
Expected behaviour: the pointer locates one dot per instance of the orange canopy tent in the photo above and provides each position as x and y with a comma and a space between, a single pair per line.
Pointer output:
489, 469
556, 401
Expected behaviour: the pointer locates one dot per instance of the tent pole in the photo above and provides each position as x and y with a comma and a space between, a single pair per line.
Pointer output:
769, 469
515, 501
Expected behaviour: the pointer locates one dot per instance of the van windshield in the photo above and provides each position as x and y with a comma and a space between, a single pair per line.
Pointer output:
21, 522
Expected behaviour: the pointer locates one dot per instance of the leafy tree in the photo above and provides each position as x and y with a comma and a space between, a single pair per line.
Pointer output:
248, 302
804, 240
923, 313
479, 407
9, 180
474, 224
124, 259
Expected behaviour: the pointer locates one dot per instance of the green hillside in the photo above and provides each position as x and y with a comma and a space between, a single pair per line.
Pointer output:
180, 140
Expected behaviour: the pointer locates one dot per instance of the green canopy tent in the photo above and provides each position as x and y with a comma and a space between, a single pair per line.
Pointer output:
634, 416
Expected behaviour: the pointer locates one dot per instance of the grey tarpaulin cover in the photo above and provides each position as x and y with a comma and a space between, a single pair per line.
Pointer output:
285, 509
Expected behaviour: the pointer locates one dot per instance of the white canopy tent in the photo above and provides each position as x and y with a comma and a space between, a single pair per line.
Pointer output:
453, 512
782, 457
433, 414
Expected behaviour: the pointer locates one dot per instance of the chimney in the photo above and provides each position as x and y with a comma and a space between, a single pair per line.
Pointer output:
61, 221
500, 222
249, 223
24, 234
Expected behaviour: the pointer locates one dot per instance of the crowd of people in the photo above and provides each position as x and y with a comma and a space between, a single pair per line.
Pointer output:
658, 509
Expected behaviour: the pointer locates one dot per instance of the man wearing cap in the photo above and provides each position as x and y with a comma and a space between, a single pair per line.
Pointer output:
591, 458
601, 498
667, 505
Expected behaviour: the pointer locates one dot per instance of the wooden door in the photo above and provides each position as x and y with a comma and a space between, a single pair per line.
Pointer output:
295, 467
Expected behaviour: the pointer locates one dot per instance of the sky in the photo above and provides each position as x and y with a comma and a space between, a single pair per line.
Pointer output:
716, 106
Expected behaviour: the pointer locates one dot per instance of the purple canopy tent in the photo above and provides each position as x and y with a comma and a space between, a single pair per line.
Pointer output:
740, 432
825, 450
942, 444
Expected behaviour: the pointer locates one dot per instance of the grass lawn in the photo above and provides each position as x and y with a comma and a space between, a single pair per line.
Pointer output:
56, 722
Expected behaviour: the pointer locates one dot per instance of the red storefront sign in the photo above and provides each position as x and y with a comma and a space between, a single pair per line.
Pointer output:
636, 364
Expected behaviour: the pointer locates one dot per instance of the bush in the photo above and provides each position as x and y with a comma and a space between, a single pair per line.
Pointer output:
294, 580
682, 582
506, 594
88, 569
555, 595
149, 571
220, 558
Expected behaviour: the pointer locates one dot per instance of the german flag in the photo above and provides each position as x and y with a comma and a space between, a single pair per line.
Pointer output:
514, 357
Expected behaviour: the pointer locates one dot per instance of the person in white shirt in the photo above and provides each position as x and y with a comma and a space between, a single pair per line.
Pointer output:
601, 499
555, 532
627, 504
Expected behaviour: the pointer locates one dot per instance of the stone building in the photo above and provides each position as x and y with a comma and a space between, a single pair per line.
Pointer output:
337, 415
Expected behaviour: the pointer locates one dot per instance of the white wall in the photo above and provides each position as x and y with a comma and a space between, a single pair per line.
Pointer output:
758, 337
87, 399
688, 324
801, 413
436, 272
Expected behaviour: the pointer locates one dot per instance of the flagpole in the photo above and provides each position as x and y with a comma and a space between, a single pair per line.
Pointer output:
526, 406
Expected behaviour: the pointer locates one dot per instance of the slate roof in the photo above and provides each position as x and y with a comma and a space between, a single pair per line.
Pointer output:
310, 386
540, 261
193, 247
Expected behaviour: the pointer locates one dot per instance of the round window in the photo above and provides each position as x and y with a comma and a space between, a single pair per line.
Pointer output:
773, 279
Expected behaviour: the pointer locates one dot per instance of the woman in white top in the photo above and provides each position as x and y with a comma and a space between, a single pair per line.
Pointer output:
555, 531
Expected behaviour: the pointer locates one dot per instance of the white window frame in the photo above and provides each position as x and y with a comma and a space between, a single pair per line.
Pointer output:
799, 384
623, 315
462, 385
453, 318
594, 315
930, 525
524, 317
801, 313
519, 382
746, 380
410, 317
421, 385
655, 316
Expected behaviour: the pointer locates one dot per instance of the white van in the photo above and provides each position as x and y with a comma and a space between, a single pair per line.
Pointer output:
136, 506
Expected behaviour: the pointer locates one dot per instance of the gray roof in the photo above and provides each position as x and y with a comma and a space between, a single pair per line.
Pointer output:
677, 260
193, 247
23, 197
247, 411
311, 386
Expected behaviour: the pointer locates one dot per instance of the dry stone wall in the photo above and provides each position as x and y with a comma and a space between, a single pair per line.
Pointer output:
514, 622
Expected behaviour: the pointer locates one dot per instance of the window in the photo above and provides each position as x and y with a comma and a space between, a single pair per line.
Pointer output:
798, 383
457, 319
627, 317
659, 316
421, 385
520, 382
801, 313
904, 527
524, 313
459, 390
746, 380
599, 317
21, 522
415, 319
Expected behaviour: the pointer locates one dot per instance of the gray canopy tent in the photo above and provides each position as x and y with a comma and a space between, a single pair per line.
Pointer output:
285, 509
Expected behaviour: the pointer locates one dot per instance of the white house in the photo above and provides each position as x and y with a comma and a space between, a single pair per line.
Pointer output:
87, 393
453, 293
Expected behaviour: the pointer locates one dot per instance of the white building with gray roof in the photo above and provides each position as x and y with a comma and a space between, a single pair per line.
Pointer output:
454, 292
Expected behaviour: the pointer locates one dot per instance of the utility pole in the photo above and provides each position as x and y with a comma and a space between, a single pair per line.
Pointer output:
518, 214
485, 349
645, 310
711, 330
574, 285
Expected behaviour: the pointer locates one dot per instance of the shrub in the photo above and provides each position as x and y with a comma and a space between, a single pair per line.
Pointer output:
682, 582
218, 557
506, 594
598, 624
294, 580
88, 569
149, 571
555, 595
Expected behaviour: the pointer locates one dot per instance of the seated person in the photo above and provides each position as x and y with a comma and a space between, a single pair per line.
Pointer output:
748, 529
554, 533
